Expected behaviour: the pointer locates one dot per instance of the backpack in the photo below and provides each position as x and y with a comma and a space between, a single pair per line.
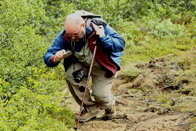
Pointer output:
90, 17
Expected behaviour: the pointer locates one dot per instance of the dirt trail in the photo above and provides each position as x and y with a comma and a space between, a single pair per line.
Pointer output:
136, 108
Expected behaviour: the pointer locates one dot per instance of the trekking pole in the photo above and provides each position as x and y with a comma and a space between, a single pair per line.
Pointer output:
86, 86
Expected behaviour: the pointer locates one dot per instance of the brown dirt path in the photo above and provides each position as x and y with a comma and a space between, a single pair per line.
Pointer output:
136, 109
133, 114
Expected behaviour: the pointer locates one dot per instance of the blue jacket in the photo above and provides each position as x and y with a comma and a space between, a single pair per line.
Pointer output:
112, 42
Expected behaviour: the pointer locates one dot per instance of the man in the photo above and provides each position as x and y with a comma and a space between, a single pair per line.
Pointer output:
79, 37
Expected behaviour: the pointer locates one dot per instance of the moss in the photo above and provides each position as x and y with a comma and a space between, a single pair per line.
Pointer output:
130, 72
146, 46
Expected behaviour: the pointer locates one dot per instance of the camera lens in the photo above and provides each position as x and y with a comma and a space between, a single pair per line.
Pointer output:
77, 79
78, 75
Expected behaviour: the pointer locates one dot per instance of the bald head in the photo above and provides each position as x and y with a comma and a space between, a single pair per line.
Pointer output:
73, 23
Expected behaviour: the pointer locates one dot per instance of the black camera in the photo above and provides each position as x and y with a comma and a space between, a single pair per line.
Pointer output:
78, 75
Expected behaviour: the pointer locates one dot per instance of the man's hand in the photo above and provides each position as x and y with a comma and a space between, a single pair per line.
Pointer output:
99, 30
61, 55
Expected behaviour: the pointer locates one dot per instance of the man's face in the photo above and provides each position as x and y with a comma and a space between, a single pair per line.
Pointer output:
76, 34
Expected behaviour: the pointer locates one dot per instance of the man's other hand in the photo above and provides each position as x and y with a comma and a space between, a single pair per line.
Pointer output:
99, 30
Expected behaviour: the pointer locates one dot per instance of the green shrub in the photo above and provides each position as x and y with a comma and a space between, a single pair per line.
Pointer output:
30, 95
35, 112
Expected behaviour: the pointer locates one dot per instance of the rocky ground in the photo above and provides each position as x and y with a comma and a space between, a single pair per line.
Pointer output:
152, 100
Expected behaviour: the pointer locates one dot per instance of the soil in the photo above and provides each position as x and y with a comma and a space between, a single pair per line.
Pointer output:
136, 101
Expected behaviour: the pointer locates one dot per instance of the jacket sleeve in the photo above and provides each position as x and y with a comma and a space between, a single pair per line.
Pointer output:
112, 40
58, 44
